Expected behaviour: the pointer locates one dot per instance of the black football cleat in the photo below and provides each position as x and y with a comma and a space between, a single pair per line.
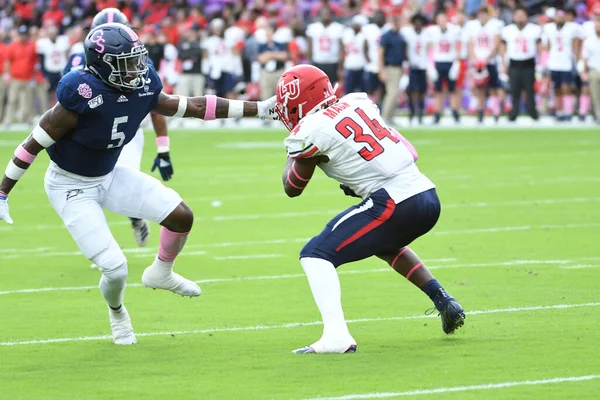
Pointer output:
453, 315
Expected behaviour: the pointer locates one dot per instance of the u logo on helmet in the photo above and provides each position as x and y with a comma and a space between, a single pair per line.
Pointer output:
290, 89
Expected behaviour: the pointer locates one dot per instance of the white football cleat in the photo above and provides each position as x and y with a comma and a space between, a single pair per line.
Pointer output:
347, 345
141, 231
154, 278
120, 324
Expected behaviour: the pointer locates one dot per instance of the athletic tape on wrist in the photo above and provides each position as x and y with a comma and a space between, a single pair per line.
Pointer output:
22, 154
42, 137
211, 107
163, 143
13, 171
181, 107
236, 109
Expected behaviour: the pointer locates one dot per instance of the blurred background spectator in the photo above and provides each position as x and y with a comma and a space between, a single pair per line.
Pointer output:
238, 48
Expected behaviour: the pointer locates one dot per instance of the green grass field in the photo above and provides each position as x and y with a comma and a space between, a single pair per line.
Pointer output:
517, 244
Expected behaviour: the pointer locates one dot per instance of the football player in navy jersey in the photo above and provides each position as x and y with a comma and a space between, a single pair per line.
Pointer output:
84, 134
132, 152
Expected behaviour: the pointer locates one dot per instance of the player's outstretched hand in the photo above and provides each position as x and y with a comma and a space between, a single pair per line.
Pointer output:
348, 191
266, 109
164, 165
4, 215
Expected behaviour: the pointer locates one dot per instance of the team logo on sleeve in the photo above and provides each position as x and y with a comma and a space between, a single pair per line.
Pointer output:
96, 102
290, 89
84, 91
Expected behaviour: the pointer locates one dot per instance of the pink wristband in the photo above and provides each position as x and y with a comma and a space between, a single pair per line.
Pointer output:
24, 155
163, 143
211, 107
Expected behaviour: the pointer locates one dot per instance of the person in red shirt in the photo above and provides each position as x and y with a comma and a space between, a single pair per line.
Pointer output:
21, 57
53, 15
196, 17
24, 10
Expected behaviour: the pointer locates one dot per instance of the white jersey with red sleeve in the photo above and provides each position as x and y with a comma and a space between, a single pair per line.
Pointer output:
54, 52
372, 33
417, 47
587, 29
521, 44
560, 40
444, 42
483, 37
364, 153
354, 50
325, 41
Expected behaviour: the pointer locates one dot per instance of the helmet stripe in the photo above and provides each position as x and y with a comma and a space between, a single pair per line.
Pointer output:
111, 16
131, 33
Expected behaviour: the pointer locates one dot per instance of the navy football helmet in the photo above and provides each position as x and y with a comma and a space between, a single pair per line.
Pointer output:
109, 15
115, 54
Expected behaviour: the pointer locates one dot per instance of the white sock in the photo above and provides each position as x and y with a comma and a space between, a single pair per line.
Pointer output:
165, 267
113, 291
325, 285
112, 285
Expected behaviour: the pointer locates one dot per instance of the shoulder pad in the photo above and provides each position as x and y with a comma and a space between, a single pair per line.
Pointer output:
299, 144
74, 93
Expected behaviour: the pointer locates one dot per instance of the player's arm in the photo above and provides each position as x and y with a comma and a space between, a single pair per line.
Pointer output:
309, 47
163, 143
495, 47
212, 107
471, 50
381, 56
53, 125
297, 173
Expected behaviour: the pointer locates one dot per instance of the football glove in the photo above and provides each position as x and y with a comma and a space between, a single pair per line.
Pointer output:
4, 215
266, 109
164, 165
348, 191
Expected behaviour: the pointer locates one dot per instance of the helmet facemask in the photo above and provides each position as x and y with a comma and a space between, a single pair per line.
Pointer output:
129, 70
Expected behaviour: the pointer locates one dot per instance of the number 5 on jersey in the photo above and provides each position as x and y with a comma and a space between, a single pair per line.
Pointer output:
116, 134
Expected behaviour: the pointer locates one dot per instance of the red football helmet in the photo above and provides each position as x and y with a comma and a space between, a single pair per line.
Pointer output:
302, 90
481, 75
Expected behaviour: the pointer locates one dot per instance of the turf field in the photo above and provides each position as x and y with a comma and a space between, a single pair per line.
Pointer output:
517, 244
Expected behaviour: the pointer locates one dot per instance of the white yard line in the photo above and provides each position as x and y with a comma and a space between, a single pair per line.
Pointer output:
341, 272
296, 324
581, 266
487, 386
333, 212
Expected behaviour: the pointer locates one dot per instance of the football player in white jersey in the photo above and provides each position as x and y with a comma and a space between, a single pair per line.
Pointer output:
353, 43
443, 40
483, 36
588, 29
53, 48
373, 32
324, 43
562, 40
218, 59
349, 141
417, 58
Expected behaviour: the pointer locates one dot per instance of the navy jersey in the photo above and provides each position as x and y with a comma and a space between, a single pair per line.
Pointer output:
108, 120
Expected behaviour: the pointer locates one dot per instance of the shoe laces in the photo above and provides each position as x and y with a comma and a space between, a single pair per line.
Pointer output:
431, 310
